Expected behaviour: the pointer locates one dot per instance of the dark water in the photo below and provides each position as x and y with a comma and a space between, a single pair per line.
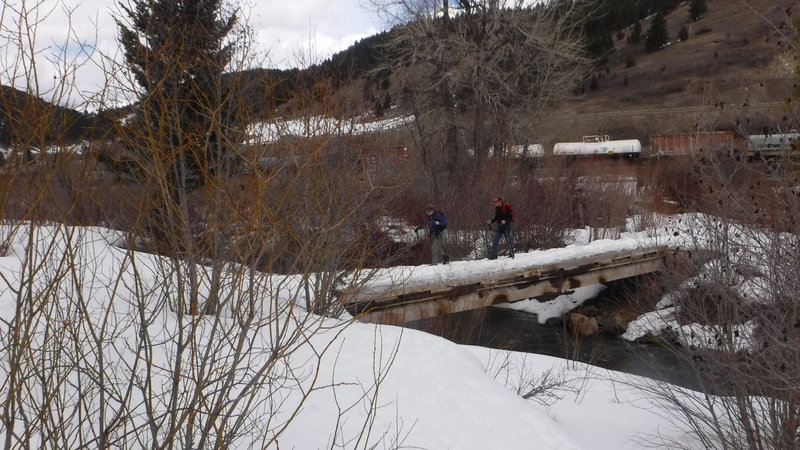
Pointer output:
518, 331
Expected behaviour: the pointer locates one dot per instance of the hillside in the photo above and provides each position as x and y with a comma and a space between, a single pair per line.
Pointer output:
53, 124
733, 72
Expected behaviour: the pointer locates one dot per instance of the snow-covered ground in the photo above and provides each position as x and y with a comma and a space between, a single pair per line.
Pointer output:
271, 131
78, 149
338, 379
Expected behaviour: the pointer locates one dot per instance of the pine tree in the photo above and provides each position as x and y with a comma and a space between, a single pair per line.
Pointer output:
5, 134
177, 53
697, 8
600, 45
636, 33
683, 34
657, 36
387, 101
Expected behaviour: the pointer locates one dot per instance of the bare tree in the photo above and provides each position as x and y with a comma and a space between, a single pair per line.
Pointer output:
478, 72
206, 336
730, 315
730, 310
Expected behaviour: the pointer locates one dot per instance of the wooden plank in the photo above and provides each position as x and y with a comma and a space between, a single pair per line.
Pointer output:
372, 292
504, 287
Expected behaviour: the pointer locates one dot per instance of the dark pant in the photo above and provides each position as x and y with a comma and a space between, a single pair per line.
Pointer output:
502, 230
437, 248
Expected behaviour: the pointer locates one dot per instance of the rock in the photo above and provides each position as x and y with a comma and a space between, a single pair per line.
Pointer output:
589, 310
616, 323
583, 326
554, 322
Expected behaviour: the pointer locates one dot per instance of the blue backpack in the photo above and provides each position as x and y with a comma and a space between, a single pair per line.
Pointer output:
443, 221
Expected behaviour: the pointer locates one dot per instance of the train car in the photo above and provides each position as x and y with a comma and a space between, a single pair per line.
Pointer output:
690, 144
599, 145
527, 151
392, 156
772, 145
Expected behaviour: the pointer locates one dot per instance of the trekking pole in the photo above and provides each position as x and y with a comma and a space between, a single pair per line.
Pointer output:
487, 238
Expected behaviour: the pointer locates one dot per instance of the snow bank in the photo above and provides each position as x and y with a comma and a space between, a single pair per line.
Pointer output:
325, 388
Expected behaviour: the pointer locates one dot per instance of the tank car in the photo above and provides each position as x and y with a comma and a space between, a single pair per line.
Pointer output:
599, 145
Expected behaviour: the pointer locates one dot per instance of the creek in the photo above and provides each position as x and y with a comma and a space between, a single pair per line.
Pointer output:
508, 329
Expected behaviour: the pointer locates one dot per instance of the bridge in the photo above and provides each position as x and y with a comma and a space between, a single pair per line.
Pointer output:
398, 295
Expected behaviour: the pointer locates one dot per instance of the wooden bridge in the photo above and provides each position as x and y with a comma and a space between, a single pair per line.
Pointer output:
405, 296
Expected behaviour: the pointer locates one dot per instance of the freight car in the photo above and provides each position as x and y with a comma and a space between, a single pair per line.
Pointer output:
772, 145
689, 144
599, 145
754, 146
527, 151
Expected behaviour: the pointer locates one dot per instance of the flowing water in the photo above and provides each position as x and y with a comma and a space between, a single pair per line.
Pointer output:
518, 331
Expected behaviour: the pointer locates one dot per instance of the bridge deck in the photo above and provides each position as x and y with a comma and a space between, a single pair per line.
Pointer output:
409, 298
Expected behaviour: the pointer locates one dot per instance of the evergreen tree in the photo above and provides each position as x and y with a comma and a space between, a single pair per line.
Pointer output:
177, 51
387, 101
636, 33
604, 16
657, 36
697, 8
5, 133
600, 45
683, 34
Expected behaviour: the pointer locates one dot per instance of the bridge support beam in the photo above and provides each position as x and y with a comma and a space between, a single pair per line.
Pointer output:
508, 287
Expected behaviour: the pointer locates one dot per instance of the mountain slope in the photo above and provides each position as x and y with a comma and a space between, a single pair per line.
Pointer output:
29, 120
734, 72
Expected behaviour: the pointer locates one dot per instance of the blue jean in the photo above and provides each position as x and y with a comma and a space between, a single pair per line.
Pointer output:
502, 230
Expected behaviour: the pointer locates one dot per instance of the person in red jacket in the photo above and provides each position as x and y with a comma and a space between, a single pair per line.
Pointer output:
503, 217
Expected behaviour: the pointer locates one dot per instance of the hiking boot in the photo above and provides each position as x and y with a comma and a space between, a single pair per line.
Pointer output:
492, 257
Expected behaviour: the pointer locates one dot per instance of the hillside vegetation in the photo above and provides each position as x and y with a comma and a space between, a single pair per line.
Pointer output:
734, 72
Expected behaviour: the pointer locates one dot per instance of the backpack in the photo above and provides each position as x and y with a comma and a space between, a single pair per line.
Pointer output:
442, 223
509, 210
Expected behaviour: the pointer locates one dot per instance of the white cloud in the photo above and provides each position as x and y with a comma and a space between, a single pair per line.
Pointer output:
309, 28
294, 32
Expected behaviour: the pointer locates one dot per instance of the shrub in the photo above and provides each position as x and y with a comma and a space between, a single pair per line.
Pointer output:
683, 34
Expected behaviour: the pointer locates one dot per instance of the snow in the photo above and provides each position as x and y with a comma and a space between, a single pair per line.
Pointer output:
271, 131
77, 149
743, 263
558, 306
465, 272
515, 151
411, 389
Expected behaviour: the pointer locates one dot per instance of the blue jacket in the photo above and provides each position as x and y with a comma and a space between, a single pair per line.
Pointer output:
430, 223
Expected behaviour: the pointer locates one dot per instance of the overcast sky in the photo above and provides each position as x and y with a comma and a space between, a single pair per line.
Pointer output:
284, 29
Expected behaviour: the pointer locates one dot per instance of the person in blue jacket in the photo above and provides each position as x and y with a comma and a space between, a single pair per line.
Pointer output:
435, 223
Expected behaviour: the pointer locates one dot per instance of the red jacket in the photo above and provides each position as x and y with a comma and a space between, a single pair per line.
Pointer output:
503, 212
